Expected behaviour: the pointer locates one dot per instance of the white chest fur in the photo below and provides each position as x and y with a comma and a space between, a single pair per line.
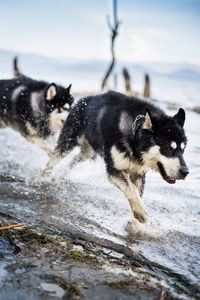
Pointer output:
57, 120
121, 162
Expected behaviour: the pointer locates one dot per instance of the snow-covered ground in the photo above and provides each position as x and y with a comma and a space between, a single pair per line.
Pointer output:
85, 201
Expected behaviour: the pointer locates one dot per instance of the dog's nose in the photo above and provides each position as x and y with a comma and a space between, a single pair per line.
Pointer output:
184, 171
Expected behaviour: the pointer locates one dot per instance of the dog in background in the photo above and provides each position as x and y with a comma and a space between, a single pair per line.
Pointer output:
132, 136
37, 109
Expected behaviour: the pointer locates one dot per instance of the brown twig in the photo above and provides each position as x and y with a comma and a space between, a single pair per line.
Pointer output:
11, 226
114, 33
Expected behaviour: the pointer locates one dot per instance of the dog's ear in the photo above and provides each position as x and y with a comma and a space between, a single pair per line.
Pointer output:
51, 91
180, 117
147, 121
68, 88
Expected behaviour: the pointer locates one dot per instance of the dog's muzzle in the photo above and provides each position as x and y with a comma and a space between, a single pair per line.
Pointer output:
183, 172
164, 175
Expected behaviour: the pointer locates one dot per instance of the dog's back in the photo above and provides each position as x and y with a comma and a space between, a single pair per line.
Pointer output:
103, 119
16, 102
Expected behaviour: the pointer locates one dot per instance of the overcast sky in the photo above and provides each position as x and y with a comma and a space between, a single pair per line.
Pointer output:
151, 31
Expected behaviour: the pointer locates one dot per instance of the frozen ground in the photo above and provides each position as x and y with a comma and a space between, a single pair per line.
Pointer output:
83, 204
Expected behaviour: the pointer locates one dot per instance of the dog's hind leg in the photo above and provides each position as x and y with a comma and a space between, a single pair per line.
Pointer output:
64, 146
68, 138
86, 152
122, 180
43, 144
53, 156
54, 159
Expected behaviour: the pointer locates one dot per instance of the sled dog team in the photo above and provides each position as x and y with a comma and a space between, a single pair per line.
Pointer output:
131, 135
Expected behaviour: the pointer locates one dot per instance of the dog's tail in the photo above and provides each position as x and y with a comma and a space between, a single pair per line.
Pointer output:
16, 71
72, 130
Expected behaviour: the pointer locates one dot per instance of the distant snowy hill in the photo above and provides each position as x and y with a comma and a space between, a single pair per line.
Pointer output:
33, 65
178, 83
185, 74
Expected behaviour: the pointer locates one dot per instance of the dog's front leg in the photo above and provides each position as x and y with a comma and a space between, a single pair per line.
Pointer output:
139, 182
54, 156
122, 180
54, 159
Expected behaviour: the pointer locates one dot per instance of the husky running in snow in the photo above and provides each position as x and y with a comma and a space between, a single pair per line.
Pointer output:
37, 109
132, 136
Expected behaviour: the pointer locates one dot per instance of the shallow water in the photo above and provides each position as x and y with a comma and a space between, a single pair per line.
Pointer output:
83, 203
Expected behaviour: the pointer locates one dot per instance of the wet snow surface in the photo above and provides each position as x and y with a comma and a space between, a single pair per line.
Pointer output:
82, 202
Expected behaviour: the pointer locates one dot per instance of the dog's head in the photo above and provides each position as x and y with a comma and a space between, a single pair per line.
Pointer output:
58, 103
58, 97
163, 144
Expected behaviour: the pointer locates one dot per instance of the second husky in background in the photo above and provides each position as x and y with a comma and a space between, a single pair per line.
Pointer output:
37, 109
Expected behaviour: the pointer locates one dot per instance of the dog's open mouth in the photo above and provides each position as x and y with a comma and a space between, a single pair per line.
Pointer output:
164, 175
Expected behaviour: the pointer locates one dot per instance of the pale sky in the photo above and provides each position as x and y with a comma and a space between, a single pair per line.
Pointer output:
151, 31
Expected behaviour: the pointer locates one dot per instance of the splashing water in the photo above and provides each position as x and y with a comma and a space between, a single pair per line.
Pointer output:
83, 202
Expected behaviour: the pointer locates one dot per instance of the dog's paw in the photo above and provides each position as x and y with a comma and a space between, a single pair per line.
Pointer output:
134, 227
46, 173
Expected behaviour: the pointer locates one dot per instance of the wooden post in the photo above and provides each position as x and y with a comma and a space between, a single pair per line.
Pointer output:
147, 93
127, 81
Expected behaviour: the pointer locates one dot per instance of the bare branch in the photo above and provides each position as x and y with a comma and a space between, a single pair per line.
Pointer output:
114, 33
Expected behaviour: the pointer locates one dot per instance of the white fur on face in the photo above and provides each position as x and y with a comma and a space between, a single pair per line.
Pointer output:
153, 156
51, 92
67, 106
57, 120
123, 163
173, 145
17, 92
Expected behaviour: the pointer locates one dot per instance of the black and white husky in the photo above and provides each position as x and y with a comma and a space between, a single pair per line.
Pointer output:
132, 136
36, 109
